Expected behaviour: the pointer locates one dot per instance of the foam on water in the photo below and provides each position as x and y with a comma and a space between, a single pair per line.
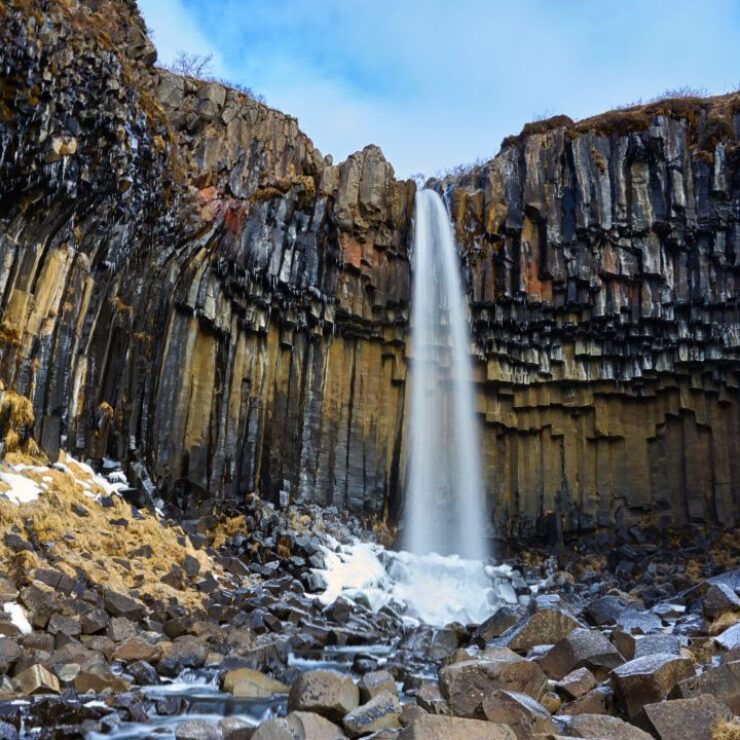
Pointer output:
433, 589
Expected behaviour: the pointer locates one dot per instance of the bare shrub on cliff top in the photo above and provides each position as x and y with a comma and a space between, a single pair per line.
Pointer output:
685, 91
198, 66
192, 65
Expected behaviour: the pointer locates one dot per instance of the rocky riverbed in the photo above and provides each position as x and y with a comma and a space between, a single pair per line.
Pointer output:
244, 624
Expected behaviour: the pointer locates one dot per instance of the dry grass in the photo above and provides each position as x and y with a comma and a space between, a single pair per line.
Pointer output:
726, 730
723, 622
226, 529
16, 421
89, 544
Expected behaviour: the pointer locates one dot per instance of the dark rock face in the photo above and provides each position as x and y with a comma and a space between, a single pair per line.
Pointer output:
188, 285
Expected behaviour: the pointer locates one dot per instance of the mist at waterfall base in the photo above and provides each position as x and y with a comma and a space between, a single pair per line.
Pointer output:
441, 577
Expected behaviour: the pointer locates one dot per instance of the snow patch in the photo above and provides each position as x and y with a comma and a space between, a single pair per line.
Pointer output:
22, 489
18, 617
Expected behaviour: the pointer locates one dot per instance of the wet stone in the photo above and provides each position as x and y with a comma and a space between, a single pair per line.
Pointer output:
197, 729
381, 712
249, 683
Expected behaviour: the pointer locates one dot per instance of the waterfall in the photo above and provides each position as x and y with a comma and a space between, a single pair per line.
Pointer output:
444, 497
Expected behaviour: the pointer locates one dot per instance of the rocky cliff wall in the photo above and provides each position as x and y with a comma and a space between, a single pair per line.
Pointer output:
603, 266
187, 284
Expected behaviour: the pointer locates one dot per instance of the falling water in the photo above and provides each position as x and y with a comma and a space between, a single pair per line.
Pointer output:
444, 501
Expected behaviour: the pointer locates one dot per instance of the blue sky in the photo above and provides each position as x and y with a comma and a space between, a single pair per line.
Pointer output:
435, 83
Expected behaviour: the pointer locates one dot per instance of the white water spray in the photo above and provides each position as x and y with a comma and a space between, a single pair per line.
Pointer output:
444, 499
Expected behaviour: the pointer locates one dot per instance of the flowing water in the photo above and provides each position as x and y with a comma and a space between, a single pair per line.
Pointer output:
430, 589
444, 497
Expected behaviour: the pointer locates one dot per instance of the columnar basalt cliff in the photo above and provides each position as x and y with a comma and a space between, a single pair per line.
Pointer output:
188, 285
603, 260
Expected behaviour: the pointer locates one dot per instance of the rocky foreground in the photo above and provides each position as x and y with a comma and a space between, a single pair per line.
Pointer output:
103, 639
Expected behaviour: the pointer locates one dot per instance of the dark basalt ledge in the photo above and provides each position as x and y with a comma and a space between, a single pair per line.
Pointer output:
188, 285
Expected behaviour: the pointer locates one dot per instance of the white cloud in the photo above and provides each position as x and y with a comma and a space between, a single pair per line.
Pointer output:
175, 29
436, 83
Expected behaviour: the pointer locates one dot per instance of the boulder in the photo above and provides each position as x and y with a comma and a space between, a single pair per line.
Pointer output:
520, 712
581, 648
464, 685
120, 605
606, 609
184, 652
374, 683
638, 646
435, 727
329, 693
688, 719
430, 698
544, 627
121, 628
501, 620
94, 620
37, 680
40, 602
730, 638
639, 622
605, 728
299, 726
10, 652
381, 712
234, 728
137, 648
197, 729
597, 701
98, 679
143, 673
720, 598
68, 626
576, 683
251, 684
647, 680
722, 681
